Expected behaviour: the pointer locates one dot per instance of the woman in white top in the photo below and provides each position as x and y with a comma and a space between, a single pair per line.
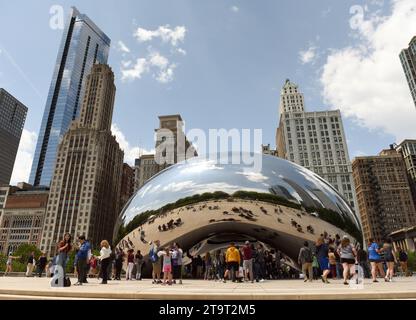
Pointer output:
9, 263
104, 257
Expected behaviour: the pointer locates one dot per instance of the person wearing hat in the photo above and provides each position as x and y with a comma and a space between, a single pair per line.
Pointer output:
247, 261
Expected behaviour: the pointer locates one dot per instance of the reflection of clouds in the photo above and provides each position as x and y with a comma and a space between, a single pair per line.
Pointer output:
178, 186
197, 176
253, 176
199, 166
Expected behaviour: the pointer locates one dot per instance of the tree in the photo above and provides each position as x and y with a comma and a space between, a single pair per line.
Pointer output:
24, 251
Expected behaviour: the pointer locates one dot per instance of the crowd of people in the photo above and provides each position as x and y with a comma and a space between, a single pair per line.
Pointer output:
328, 257
337, 258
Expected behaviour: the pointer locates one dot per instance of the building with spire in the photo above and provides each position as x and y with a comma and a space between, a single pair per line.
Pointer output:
314, 140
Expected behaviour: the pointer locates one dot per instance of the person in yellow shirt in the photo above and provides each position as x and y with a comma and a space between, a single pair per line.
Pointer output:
232, 258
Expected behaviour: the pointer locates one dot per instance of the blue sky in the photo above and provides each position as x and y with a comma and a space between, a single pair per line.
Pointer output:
226, 68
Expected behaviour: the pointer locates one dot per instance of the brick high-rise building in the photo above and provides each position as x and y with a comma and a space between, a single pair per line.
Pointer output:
314, 140
408, 60
383, 193
23, 216
12, 119
85, 189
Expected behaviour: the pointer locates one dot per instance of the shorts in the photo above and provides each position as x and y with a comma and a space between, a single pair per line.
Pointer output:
156, 267
167, 268
324, 263
375, 261
390, 259
233, 266
348, 261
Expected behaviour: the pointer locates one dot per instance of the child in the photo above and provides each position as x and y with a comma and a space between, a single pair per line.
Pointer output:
167, 266
332, 262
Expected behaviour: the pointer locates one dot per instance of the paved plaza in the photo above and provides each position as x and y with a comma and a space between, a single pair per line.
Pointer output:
39, 288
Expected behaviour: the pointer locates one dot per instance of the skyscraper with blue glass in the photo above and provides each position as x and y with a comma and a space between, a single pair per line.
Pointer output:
83, 44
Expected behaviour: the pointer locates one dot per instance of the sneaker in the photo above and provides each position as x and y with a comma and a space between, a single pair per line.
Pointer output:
346, 283
262, 280
78, 284
153, 281
375, 280
224, 281
305, 280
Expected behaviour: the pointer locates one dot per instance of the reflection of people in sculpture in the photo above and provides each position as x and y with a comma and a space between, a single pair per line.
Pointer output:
9, 263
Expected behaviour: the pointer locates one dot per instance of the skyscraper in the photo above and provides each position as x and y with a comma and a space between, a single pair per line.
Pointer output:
408, 60
314, 140
85, 190
12, 119
82, 45
383, 193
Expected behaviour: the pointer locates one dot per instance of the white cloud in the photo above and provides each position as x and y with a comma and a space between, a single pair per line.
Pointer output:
130, 152
24, 157
154, 63
181, 51
135, 71
235, 9
309, 55
165, 33
122, 47
366, 80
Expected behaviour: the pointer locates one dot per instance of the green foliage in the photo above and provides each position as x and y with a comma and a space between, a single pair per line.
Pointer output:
24, 251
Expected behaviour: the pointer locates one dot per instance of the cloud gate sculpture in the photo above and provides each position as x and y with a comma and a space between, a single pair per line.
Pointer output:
203, 205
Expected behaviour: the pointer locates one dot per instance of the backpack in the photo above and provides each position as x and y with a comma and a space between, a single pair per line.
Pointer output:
153, 255
307, 254
67, 282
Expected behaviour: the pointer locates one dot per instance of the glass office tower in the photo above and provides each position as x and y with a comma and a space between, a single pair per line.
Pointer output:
83, 44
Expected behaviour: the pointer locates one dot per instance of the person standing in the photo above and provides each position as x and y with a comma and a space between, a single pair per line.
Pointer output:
219, 263
82, 257
207, 266
305, 260
259, 263
130, 264
347, 253
64, 247
30, 264
9, 263
41, 264
104, 257
232, 258
248, 262
177, 256
322, 256
118, 263
138, 261
362, 259
390, 259
403, 258
156, 262
332, 262
375, 259
339, 270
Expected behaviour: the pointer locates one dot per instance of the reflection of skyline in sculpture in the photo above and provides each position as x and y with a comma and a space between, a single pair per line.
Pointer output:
282, 192
220, 199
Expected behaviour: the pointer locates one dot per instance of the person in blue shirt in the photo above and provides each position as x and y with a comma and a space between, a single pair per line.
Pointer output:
82, 257
375, 259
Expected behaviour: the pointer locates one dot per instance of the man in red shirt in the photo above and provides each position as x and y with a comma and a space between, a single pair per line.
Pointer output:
248, 261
